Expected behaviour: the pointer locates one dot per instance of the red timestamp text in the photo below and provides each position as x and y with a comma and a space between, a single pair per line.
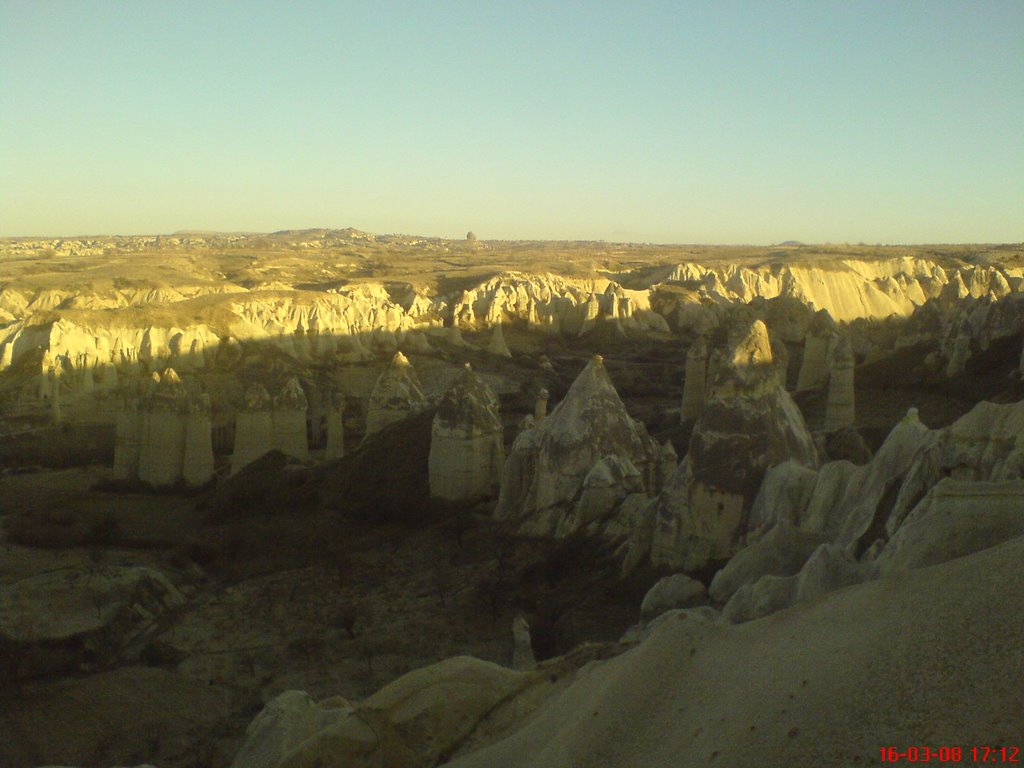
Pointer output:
978, 755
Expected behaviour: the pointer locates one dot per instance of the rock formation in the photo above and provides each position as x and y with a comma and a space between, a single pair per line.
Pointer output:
749, 424
335, 429
254, 428
522, 646
467, 444
814, 368
197, 463
694, 383
840, 409
548, 464
540, 406
497, 345
395, 396
127, 439
162, 449
289, 420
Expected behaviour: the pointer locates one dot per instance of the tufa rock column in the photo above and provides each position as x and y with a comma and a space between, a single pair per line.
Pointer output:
396, 395
162, 452
197, 467
289, 420
540, 408
694, 383
467, 449
254, 428
840, 410
818, 344
127, 439
335, 429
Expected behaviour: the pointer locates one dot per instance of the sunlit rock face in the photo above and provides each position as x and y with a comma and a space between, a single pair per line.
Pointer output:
396, 395
466, 445
749, 424
548, 464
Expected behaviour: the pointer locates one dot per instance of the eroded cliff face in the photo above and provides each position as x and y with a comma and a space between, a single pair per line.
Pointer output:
183, 325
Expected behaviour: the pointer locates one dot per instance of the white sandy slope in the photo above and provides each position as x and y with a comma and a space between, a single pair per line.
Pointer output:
933, 657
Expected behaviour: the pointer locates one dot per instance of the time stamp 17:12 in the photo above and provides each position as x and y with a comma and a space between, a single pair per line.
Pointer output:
977, 755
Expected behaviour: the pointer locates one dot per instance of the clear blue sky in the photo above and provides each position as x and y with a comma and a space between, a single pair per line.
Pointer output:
714, 122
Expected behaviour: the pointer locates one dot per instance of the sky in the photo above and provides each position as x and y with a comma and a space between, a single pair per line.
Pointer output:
677, 122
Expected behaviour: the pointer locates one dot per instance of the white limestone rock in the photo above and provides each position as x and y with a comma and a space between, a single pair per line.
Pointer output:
467, 449
497, 345
127, 439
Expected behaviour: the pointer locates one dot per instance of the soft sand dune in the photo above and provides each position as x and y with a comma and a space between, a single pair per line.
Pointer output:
934, 657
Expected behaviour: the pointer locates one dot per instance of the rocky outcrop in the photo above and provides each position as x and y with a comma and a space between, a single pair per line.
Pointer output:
467, 448
396, 395
79, 617
127, 439
749, 424
548, 464
497, 345
986, 444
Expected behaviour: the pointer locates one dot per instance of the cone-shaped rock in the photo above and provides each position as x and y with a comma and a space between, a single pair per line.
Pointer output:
748, 425
395, 396
254, 428
497, 345
590, 423
466, 443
